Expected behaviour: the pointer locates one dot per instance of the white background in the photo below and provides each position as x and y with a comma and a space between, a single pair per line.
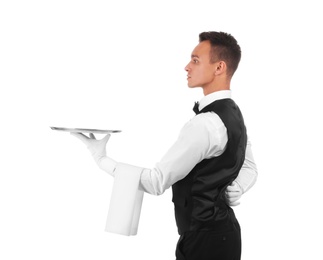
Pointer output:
120, 65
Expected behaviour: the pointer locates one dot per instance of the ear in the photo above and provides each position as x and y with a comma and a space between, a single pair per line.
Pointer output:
220, 68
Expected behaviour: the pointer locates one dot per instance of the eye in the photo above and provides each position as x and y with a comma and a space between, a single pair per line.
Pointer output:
195, 61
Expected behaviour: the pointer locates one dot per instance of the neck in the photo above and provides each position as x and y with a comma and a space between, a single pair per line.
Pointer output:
219, 83
209, 90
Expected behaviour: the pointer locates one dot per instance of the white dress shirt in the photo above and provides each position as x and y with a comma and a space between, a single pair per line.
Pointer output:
203, 137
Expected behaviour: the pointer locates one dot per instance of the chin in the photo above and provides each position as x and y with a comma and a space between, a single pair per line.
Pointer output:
192, 86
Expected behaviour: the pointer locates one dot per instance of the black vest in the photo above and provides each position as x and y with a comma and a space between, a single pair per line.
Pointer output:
199, 198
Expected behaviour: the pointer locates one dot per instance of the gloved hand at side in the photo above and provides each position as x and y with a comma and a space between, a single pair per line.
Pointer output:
233, 193
97, 149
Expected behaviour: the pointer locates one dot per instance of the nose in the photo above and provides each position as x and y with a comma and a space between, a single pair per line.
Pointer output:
187, 67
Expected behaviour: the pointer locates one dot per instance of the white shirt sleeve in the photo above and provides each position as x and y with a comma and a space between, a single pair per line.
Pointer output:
203, 137
248, 173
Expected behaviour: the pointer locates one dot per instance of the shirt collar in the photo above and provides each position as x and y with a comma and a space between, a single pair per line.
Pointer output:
217, 95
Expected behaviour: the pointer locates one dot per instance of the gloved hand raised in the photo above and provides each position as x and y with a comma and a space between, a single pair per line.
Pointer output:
97, 149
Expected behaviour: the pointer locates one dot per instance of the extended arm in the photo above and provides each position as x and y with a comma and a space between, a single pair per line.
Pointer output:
191, 147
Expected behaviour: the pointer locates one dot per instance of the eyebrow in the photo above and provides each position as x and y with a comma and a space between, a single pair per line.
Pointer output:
194, 56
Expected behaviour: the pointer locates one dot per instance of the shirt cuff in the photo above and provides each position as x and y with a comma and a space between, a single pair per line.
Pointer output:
108, 165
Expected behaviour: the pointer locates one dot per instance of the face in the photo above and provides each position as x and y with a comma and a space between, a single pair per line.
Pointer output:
200, 72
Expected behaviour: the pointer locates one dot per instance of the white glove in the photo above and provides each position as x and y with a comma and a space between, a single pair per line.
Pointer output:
98, 151
233, 193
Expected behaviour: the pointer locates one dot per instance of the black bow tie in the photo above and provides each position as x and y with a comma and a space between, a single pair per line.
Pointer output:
196, 107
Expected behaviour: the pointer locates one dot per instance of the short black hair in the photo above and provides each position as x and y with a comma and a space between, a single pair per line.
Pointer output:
223, 47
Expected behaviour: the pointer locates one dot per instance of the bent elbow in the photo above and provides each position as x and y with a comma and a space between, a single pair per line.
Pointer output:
152, 183
158, 189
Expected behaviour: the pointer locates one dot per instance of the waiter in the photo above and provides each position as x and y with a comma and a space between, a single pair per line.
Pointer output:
210, 165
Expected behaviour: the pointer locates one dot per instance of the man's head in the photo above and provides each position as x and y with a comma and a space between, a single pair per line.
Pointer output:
223, 47
213, 61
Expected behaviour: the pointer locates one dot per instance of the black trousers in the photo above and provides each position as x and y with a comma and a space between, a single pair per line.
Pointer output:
210, 245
